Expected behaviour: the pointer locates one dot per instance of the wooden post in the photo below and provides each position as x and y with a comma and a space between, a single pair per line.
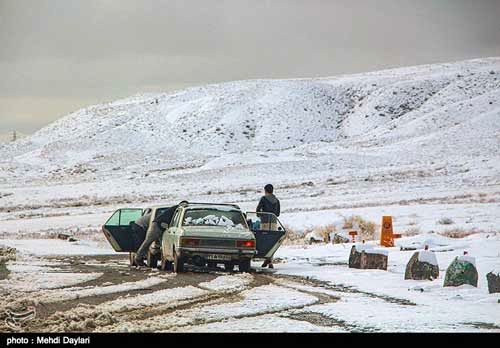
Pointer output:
353, 234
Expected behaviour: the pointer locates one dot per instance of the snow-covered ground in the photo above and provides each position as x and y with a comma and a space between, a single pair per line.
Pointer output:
312, 289
420, 144
433, 307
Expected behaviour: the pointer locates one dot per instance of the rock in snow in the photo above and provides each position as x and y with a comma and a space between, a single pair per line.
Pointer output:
339, 239
422, 266
461, 271
493, 282
366, 257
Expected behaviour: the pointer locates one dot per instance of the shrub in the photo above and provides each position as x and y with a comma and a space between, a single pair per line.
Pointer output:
366, 229
297, 237
293, 236
412, 231
457, 233
324, 231
445, 221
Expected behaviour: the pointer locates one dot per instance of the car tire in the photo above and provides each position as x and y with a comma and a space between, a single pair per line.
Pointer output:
152, 260
244, 265
178, 263
212, 264
229, 266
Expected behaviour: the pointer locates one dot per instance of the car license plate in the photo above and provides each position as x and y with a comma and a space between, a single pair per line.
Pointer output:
219, 257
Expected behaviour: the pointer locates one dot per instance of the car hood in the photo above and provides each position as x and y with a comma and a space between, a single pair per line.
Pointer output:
217, 232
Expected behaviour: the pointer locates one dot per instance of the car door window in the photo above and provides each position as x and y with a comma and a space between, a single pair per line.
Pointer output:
129, 215
123, 217
119, 233
263, 222
114, 220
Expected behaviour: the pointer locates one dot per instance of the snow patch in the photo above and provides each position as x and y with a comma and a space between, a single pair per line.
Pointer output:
469, 259
427, 256
75, 293
228, 283
369, 249
164, 298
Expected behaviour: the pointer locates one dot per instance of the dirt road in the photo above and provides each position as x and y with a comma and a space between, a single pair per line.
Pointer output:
102, 293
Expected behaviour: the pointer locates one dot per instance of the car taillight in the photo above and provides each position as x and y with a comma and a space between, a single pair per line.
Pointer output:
190, 242
245, 244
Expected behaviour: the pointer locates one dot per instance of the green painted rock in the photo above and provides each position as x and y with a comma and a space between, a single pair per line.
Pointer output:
461, 271
422, 266
493, 282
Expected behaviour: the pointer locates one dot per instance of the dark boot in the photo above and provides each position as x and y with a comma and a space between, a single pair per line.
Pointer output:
139, 262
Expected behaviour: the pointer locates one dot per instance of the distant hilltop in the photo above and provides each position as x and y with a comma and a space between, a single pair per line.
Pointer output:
437, 110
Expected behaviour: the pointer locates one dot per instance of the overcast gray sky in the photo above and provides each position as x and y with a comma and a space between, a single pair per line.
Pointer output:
59, 55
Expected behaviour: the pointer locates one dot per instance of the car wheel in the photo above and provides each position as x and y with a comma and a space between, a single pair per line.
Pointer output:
152, 260
178, 263
244, 266
211, 264
229, 266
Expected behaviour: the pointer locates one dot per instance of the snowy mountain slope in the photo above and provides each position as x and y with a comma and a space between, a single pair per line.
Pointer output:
433, 125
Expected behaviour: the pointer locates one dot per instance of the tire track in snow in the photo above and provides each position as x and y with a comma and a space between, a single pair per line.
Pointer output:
85, 317
266, 299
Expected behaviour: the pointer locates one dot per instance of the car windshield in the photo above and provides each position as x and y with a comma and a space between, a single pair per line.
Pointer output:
214, 217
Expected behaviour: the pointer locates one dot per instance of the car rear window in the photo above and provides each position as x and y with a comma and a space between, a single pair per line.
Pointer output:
213, 217
160, 211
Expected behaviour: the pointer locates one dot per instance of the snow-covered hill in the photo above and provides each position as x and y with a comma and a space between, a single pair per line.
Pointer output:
436, 125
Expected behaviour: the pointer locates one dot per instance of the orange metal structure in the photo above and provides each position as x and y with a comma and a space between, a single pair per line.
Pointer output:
387, 234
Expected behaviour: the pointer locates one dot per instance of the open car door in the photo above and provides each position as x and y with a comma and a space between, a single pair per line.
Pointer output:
269, 233
119, 233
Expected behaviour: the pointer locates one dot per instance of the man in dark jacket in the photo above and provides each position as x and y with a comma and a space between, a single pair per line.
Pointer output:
268, 204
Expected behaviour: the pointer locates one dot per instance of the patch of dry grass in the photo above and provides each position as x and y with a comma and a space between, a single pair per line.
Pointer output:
324, 231
296, 237
457, 233
365, 228
412, 231
293, 236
